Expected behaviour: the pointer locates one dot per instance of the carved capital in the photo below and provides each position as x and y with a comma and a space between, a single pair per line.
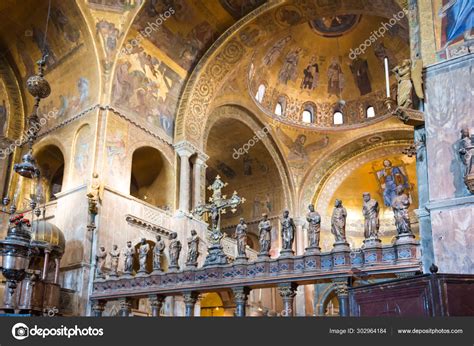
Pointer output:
98, 306
241, 294
287, 291
185, 149
342, 287
125, 305
156, 300
190, 298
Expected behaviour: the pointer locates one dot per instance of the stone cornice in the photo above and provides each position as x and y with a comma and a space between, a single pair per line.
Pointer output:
136, 221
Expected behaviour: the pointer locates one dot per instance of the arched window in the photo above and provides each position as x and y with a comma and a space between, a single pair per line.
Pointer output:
308, 114
260, 93
338, 118
370, 112
279, 109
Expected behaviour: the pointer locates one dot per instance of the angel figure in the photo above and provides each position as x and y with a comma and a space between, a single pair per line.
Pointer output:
298, 150
409, 77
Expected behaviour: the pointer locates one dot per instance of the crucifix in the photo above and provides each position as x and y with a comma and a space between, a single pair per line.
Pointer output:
217, 205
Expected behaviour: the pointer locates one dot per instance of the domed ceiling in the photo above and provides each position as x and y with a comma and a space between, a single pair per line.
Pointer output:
313, 65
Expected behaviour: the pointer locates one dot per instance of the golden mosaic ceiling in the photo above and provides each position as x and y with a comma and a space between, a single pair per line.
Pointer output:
313, 64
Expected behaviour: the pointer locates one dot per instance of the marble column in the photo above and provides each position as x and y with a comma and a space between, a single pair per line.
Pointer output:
57, 263
98, 307
190, 299
241, 295
45, 264
198, 176
185, 151
156, 302
125, 307
300, 246
342, 293
287, 293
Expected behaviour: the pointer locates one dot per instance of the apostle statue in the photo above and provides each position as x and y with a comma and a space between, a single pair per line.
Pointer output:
174, 251
114, 260
265, 236
193, 249
100, 262
466, 150
143, 255
400, 206
287, 232
314, 227
241, 236
409, 79
338, 222
370, 210
157, 253
128, 254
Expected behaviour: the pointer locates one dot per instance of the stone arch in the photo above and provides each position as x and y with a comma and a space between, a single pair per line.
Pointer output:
323, 168
244, 116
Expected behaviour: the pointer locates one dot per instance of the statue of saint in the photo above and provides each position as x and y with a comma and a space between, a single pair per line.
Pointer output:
241, 235
143, 255
100, 262
95, 189
314, 226
193, 248
371, 215
114, 260
338, 222
128, 254
466, 150
265, 236
157, 253
174, 250
400, 206
287, 230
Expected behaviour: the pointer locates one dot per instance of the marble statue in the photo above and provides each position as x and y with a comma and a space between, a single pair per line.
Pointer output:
100, 262
95, 189
143, 255
158, 253
338, 222
314, 227
174, 251
114, 260
193, 249
128, 254
409, 79
466, 150
400, 206
265, 236
370, 210
288, 229
241, 236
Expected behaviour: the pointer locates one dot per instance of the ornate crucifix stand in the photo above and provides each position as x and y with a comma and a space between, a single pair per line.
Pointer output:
217, 205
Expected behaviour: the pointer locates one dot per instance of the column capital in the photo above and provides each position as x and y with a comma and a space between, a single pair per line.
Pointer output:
287, 290
185, 149
98, 307
201, 158
241, 294
341, 286
156, 300
190, 297
125, 306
